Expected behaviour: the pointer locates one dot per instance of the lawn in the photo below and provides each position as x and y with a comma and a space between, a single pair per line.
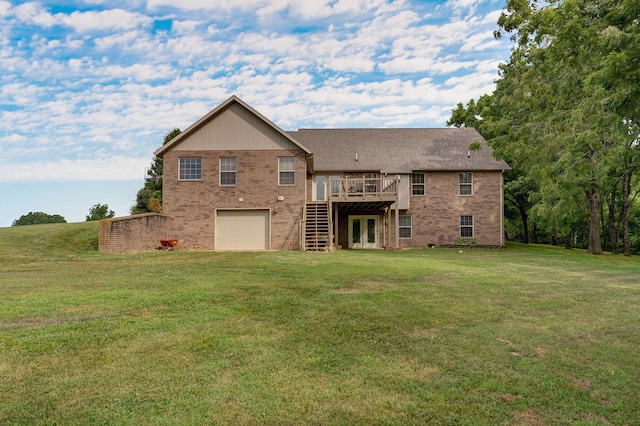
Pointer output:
528, 335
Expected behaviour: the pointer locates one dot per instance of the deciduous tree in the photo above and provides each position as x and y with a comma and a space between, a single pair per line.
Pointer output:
566, 105
36, 218
99, 211
149, 198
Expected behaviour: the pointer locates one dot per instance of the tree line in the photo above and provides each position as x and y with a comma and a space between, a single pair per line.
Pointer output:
565, 116
97, 212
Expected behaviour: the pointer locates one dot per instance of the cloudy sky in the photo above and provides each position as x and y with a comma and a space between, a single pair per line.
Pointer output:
88, 88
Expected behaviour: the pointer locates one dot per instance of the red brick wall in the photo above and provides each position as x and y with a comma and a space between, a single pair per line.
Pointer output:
192, 204
132, 234
438, 212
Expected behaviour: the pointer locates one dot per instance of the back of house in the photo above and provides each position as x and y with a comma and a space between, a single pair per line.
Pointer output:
235, 181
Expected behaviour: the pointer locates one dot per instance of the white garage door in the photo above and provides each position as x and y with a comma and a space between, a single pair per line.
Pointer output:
242, 230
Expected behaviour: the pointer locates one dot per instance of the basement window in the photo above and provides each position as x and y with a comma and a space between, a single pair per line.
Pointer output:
404, 226
466, 226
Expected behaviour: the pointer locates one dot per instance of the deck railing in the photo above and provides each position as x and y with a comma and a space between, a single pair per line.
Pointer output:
382, 188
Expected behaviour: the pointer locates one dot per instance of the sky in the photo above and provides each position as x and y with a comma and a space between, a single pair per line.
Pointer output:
89, 88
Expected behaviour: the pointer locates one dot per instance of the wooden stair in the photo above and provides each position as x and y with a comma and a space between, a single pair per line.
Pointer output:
316, 232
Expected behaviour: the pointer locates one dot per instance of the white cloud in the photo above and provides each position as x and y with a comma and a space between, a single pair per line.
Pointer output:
460, 6
184, 27
12, 138
34, 13
425, 65
112, 168
4, 8
464, 88
113, 19
196, 5
489, 66
119, 39
479, 42
309, 9
139, 72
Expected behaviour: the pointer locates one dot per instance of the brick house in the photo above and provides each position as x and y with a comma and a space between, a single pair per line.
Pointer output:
235, 181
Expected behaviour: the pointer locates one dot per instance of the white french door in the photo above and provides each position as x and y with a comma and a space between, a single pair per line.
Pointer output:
363, 232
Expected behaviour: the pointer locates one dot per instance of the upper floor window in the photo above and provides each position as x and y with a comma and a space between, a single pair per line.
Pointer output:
466, 183
404, 226
466, 226
417, 184
228, 171
286, 171
190, 169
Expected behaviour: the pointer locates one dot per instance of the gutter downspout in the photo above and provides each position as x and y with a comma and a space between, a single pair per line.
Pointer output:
397, 218
502, 208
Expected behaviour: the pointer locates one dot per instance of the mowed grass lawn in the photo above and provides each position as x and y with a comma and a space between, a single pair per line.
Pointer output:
523, 336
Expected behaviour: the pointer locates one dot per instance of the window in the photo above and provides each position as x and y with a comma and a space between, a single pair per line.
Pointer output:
286, 171
417, 184
404, 226
466, 226
190, 169
466, 183
228, 169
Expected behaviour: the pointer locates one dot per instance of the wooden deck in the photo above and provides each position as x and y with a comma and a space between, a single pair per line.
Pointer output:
373, 190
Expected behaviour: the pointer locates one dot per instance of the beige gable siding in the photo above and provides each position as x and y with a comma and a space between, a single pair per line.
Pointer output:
404, 192
235, 128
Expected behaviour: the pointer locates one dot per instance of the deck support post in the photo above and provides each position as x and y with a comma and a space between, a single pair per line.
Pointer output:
336, 220
397, 226
397, 218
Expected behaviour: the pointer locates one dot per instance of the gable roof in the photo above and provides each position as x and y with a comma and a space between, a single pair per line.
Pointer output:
397, 150
215, 113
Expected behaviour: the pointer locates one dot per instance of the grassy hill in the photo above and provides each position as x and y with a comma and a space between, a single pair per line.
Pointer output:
528, 335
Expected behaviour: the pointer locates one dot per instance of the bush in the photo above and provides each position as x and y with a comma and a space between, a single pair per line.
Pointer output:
35, 218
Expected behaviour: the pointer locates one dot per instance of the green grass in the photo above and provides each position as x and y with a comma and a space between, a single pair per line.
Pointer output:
528, 335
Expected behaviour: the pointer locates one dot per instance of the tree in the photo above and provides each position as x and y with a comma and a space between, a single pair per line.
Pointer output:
149, 198
100, 211
36, 218
566, 106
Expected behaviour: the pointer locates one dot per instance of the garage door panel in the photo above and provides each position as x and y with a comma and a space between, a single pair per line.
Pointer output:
242, 230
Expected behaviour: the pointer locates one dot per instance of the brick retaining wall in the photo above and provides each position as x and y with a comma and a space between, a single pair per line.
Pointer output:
132, 234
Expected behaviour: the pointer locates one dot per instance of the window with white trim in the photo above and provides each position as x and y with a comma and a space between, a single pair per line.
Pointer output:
417, 184
404, 226
228, 171
466, 226
286, 170
190, 168
466, 183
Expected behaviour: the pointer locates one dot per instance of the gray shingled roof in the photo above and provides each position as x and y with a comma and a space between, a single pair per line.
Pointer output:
397, 150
